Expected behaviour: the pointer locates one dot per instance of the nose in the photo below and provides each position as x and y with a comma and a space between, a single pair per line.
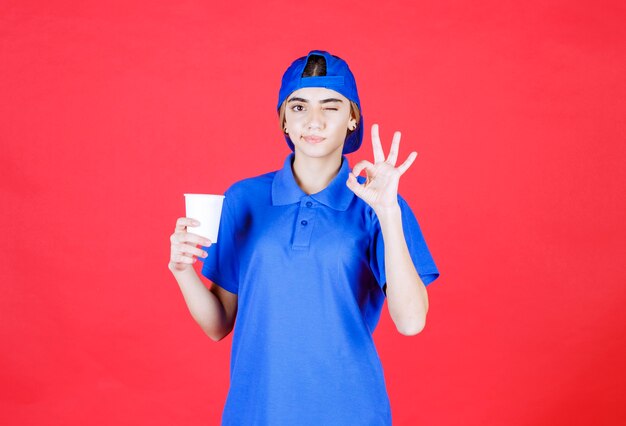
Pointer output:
315, 119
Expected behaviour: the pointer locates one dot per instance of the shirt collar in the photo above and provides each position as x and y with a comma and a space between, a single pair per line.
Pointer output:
336, 195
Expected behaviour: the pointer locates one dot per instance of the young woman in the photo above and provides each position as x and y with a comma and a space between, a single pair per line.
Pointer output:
306, 257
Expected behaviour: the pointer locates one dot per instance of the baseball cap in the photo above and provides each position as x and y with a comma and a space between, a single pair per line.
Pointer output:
338, 78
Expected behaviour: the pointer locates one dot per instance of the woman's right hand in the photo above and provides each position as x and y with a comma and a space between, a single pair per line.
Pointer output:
184, 245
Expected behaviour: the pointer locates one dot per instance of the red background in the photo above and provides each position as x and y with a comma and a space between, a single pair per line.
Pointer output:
110, 111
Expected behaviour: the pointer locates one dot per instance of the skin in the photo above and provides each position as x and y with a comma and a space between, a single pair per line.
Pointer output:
316, 111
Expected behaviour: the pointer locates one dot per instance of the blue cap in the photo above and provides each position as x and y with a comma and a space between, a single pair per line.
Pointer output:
338, 78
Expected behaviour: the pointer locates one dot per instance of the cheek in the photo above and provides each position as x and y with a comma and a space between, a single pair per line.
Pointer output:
339, 126
294, 121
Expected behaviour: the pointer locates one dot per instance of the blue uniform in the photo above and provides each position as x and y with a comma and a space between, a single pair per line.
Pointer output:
309, 272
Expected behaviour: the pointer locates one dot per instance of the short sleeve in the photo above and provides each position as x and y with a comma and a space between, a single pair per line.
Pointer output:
221, 264
418, 250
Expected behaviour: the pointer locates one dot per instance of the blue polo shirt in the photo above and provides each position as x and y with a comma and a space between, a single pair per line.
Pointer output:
309, 272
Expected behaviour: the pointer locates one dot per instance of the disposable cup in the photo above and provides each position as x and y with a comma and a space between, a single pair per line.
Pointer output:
206, 209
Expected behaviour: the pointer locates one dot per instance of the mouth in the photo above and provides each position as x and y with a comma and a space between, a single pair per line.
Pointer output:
313, 139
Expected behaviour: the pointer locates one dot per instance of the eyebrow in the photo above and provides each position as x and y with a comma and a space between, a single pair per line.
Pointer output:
323, 101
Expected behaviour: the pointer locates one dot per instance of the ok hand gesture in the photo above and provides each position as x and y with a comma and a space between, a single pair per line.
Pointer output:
380, 189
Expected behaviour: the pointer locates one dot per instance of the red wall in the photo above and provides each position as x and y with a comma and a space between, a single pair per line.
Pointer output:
110, 111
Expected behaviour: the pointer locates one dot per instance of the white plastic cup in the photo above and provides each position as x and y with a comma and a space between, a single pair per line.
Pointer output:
207, 209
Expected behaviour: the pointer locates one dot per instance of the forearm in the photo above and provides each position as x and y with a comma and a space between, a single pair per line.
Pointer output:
205, 307
407, 298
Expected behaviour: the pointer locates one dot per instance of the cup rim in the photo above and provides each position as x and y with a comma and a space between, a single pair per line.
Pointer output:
205, 195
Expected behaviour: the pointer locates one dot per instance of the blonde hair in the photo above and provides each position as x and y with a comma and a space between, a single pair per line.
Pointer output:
354, 113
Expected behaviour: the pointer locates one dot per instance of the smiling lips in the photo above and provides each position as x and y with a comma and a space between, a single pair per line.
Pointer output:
313, 139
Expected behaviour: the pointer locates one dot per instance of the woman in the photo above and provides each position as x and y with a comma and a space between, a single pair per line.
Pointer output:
302, 264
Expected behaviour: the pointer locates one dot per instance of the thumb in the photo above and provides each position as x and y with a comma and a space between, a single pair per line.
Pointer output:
354, 185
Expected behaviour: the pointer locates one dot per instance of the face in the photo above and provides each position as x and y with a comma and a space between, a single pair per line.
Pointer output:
317, 121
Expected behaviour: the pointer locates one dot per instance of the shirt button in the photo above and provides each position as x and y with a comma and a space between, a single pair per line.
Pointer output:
304, 223
309, 204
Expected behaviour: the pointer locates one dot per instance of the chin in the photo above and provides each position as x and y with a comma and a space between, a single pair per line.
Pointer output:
317, 151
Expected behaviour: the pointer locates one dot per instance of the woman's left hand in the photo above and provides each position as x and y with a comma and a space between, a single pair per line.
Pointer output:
380, 189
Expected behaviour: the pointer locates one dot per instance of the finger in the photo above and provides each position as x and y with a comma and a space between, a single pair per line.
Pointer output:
393, 152
178, 266
197, 239
407, 163
180, 258
377, 147
182, 222
360, 190
355, 186
190, 251
190, 238
363, 165
180, 253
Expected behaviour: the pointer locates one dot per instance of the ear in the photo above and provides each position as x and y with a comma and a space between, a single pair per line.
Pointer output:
352, 124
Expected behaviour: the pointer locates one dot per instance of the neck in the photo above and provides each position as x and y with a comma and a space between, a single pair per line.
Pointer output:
315, 174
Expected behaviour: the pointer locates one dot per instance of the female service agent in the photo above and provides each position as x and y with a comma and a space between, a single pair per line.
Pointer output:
306, 257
